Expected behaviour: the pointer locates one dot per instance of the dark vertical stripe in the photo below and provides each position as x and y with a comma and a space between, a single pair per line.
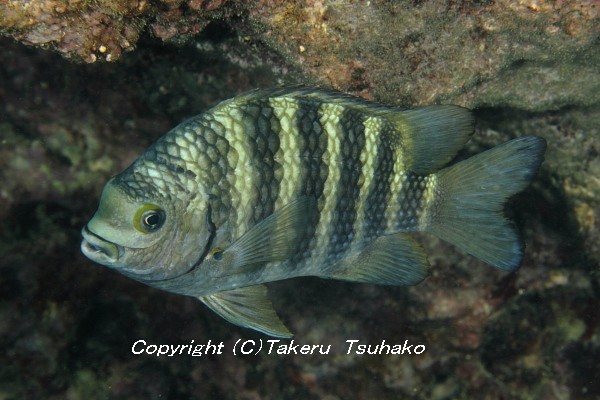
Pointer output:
352, 143
312, 143
214, 171
262, 129
381, 188
410, 202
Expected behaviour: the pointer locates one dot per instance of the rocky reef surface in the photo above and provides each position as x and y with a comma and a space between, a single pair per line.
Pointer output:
69, 120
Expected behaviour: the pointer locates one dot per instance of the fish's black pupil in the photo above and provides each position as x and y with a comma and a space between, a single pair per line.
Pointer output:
153, 220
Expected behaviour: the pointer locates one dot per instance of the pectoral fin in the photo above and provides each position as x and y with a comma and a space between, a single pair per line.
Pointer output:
273, 239
388, 260
248, 307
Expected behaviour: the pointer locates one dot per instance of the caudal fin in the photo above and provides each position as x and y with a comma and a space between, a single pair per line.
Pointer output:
470, 196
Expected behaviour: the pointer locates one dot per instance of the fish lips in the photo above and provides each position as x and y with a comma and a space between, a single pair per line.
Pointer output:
99, 250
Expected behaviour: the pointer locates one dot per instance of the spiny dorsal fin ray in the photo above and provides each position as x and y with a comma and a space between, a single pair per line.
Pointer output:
248, 307
388, 260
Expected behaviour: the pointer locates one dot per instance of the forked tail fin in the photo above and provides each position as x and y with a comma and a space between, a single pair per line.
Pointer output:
470, 195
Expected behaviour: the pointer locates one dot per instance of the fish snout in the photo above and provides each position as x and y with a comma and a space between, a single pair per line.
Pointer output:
97, 249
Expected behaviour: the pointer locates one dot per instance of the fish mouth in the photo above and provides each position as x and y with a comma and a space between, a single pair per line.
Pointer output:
98, 249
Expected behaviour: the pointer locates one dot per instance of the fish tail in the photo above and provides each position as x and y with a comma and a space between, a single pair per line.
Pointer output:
470, 195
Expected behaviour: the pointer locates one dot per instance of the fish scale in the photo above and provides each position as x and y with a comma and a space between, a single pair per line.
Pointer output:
379, 196
314, 171
281, 183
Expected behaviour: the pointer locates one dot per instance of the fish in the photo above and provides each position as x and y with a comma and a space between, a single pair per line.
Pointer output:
289, 182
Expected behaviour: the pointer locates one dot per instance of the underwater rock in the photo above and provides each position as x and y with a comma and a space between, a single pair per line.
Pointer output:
534, 55
90, 31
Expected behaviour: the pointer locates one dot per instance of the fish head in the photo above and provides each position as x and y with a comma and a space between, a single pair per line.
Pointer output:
148, 238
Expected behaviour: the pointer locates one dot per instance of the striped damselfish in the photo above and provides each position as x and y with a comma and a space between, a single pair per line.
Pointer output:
281, 183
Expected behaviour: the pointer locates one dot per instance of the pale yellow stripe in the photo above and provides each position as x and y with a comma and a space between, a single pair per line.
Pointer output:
368, 162
427, 201
244, 172
287, 155
398, 178
330, 120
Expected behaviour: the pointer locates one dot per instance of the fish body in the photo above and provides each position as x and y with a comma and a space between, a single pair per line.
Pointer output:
281, 183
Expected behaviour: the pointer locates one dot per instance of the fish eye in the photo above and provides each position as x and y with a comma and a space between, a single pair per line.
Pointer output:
217, 253
149, 218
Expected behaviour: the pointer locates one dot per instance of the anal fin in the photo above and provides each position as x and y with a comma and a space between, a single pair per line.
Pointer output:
248, 307
388, 260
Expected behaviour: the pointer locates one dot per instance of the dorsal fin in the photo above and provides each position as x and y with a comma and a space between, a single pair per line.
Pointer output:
432, 135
